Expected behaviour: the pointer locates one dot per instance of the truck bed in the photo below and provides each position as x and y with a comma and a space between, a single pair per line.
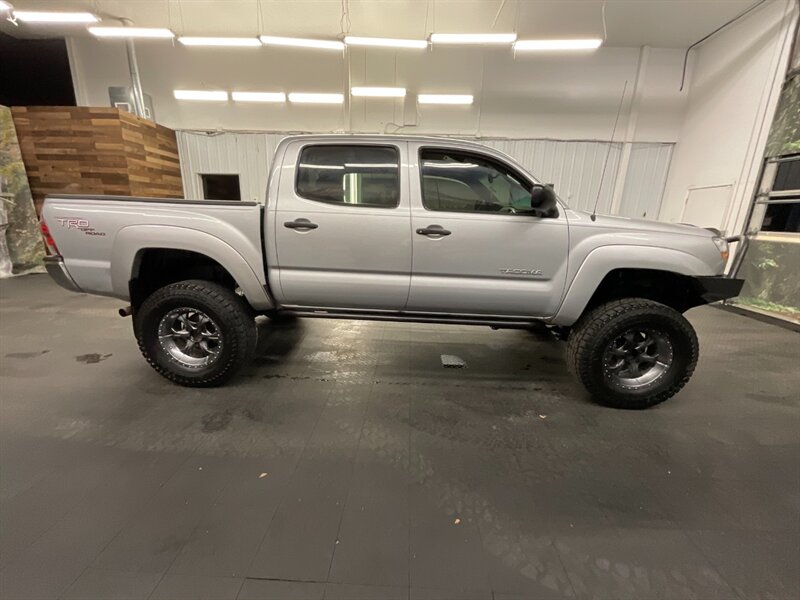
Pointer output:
102, 238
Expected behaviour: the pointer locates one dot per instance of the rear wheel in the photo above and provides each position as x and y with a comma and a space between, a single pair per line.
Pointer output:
632, 353
195, 333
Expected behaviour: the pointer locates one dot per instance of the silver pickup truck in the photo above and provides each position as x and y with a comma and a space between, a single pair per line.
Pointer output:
395, 228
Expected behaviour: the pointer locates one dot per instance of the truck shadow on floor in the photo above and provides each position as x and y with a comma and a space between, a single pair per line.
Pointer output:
496, 363
277, 340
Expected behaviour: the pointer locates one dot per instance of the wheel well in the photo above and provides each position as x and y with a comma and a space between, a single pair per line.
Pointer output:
153, 268
672, 289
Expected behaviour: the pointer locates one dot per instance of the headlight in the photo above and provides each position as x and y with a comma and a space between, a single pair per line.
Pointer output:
722, 246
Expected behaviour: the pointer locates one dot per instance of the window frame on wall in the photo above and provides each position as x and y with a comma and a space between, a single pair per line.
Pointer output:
300, 169
768, 196
763, 261
204, 185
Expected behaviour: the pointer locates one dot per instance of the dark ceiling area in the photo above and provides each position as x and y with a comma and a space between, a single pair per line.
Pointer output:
35, 72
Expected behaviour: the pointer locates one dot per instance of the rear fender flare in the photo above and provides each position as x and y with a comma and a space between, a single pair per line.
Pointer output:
129, 241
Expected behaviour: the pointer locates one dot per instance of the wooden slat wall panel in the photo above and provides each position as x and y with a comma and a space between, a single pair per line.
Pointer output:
96, 150
152, 152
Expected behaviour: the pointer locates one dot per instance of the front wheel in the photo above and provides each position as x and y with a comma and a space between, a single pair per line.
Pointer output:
632, 353
195, 333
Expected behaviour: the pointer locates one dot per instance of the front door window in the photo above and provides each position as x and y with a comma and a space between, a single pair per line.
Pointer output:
462, 182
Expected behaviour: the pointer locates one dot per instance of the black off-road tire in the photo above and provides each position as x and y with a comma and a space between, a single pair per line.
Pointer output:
595, 330
233, 316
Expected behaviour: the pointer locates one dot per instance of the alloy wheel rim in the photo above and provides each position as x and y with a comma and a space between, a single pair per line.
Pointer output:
638, 357
190, 337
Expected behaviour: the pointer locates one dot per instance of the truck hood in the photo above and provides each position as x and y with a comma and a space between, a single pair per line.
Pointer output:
581, 218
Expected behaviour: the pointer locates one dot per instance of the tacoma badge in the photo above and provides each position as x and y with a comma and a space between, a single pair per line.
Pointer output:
534, 272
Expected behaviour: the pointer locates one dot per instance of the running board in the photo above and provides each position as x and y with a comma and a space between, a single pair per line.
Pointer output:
494, 323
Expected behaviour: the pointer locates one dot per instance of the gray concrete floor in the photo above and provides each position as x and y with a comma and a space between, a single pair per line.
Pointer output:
348, 463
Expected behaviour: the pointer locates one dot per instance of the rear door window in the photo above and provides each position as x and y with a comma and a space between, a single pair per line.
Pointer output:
366, 176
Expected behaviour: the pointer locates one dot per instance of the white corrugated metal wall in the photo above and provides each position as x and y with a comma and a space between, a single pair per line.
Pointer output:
574, 167
248, 155
645, 181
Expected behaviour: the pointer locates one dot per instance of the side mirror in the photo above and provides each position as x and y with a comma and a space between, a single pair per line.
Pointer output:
543, 201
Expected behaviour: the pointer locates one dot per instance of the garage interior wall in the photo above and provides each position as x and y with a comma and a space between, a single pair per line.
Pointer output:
734, 88
554, 113
570, 97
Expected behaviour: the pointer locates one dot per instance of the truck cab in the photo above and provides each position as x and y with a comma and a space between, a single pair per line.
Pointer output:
418, 226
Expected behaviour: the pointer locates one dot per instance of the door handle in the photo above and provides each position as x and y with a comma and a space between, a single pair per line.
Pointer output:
300, 224
433, 230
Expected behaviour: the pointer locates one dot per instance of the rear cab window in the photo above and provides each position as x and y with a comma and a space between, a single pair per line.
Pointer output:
349, 175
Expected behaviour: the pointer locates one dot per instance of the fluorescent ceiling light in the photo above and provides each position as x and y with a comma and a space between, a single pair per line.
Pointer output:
4, 5
316, 98
445, 98
379, 92
328, 167
473, 38
351, 166
218, 95
32, 16
588, 44
352, 40
450, 165
271, 40
371, 165
219, 41
131, 32
258, 96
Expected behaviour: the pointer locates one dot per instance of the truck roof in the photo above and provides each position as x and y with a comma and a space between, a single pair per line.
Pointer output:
383, 136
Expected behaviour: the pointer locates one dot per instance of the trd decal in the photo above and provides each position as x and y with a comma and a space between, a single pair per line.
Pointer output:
71, 223
79, 224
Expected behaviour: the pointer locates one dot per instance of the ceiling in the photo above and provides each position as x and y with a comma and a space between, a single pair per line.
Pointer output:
658, 23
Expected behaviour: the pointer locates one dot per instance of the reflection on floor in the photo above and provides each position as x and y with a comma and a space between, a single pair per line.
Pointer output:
348, 462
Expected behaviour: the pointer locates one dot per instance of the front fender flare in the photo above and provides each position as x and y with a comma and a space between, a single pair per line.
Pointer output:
601, 261
129, 241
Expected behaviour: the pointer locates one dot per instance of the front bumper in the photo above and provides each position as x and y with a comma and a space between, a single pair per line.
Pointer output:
56, 269
715, 288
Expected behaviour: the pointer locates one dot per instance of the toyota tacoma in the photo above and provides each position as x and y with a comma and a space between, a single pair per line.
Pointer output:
397, 228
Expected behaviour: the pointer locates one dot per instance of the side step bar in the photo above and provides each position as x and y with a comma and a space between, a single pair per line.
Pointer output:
414, 318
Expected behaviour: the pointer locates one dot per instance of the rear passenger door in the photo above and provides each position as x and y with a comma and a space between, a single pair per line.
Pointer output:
342, 226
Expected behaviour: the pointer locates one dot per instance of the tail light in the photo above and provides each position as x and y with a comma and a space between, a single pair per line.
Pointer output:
48, 239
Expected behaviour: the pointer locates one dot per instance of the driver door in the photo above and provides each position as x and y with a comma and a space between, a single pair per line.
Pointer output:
476, 250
